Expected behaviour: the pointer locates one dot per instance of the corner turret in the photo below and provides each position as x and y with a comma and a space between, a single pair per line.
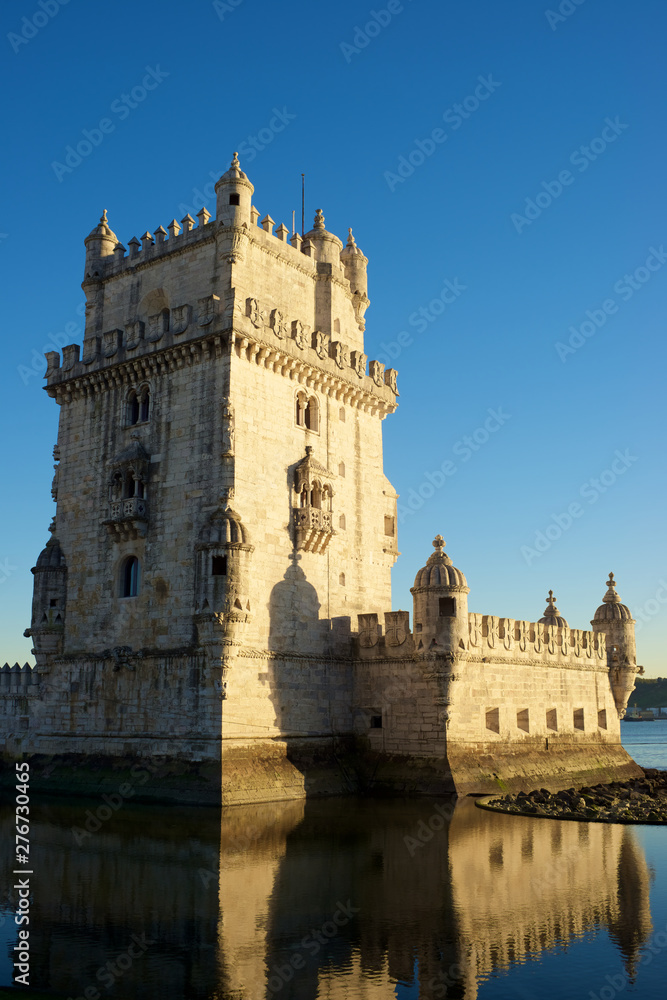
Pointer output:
100, 243
440, 605
355, 264
615, 620
234, 196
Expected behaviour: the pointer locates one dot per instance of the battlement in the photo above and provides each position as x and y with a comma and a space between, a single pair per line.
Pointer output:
187, 333
17, 680
488, 637
181, 236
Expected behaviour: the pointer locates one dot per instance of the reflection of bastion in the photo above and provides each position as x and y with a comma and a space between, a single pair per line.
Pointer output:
215, 589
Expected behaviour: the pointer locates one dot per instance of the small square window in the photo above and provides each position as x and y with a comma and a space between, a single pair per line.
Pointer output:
219, 566
447, 607
234, 199
376, 722
53, 603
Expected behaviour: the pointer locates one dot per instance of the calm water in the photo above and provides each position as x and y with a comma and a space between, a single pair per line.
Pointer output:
344, 900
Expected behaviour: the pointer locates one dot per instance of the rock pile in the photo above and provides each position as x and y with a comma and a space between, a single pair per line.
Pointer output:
642, 800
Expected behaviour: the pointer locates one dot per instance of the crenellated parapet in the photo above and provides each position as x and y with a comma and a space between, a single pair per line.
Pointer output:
17, 681
512, 639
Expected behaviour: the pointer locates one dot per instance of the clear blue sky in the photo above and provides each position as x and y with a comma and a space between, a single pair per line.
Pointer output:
567, 107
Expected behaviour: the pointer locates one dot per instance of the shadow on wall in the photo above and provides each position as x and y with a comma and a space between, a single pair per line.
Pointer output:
294, 612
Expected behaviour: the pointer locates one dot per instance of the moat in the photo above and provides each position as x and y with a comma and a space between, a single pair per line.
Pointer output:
342, 898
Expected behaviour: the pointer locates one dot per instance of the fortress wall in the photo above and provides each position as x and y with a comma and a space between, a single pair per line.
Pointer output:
501, 701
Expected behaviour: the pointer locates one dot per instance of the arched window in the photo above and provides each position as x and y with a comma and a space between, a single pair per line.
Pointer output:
341, 469
316, 496
144, 398
341, 579
312, 415
116, 488
301, 407
165, 320
129, 577
341, 521
132, 408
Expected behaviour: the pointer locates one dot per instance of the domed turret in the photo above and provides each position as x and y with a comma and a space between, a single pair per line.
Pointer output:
327, 245
234, 196
440, 596
100, 243
611, 610
552, 614
616, 621
355, 265
47, 626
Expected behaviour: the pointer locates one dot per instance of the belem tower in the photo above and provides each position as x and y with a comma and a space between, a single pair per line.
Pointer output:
216, 589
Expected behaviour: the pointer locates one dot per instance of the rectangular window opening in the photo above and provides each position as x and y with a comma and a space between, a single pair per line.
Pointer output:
376, 722
389, 525
219, 566
447, 607
493, 719
602, 718
523, 720
552, 720
579, 719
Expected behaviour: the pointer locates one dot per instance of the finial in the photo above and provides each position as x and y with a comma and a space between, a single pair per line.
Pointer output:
103, 217
439, 544
551, 610
551, 599
611, 597
350, 239
235, 160
319, 219
309, 450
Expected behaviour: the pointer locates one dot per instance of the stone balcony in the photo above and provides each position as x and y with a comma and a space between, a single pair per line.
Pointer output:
127, 518
313, 528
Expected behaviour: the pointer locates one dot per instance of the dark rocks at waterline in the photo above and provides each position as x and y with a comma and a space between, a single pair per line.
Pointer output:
641, 800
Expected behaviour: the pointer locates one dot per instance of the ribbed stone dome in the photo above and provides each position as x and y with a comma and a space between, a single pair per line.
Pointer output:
552, 615
51, 556
102, 230
439, 571
224, 528
612, 610
234, 173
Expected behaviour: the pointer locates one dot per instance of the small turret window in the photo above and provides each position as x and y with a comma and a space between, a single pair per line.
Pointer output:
234, 199
447, 607
219, 566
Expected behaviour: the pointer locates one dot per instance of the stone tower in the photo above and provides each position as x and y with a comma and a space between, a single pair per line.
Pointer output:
220, 484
